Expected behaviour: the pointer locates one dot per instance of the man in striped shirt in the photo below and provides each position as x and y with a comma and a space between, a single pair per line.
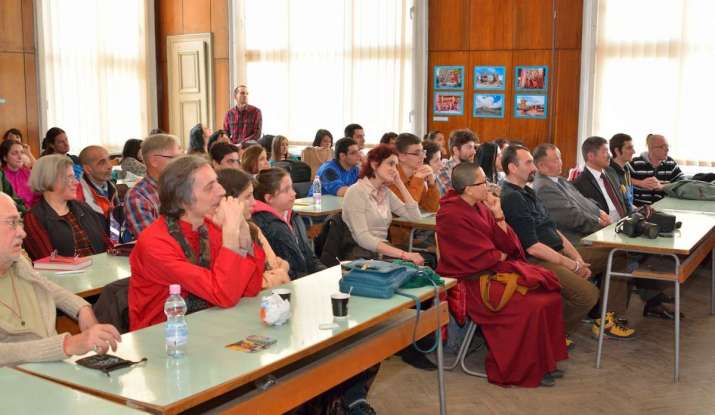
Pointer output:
243, 122
651, 170
142, 204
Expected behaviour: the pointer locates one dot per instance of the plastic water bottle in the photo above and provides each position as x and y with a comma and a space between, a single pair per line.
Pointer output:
317, 191
177, 331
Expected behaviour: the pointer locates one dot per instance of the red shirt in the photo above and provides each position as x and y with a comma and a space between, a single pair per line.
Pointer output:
158, 261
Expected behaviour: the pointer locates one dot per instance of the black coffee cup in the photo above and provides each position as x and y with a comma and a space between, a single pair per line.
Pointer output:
340, 304
284, 293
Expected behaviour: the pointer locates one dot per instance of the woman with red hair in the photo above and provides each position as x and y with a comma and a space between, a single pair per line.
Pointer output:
369, 204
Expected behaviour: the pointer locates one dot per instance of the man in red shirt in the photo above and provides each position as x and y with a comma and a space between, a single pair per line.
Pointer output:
198, 242
243, 122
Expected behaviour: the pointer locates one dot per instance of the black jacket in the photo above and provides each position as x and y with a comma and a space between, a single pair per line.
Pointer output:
588, 186
290, 245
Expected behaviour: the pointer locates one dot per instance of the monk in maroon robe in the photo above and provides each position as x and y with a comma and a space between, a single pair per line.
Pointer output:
526, 337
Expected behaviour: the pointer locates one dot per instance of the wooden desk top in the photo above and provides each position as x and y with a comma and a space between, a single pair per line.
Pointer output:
209, 369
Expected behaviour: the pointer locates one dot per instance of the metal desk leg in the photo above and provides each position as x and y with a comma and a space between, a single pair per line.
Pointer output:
440, 369
676, 370
412, 238
712, 282
604, 307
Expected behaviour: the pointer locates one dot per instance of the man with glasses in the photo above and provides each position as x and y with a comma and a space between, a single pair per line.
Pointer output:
462, 147
142, 206
542, 241
651, 170
341, 172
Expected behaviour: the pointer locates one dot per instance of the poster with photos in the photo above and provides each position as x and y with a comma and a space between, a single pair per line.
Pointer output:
488, 106
449, 77
448, 103
489, 77
531, 78
530, 106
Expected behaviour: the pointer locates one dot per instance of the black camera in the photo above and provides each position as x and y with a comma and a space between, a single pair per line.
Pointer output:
636, 225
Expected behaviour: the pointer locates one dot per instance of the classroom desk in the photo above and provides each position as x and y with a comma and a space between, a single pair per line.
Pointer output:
104, 270
688, 248
329, 205
26, 394
671, 203
428, 222
376, 328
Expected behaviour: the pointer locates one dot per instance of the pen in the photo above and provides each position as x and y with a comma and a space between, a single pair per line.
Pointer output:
79, 271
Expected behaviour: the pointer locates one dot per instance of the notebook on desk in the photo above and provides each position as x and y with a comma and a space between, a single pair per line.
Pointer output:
61, 263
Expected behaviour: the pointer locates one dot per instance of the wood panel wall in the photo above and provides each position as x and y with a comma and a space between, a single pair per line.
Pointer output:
18, 81
178, 17
511, 33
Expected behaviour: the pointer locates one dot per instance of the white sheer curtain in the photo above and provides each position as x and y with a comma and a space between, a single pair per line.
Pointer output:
654, 59
95, 59
314, 64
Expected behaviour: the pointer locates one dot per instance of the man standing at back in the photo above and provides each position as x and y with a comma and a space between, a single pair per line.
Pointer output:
142, 205
652, 169
243, 122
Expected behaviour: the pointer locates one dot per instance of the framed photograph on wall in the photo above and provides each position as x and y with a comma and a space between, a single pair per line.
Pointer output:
531, 78
530, 106
488, 106
449, 77
489, 77
448, 103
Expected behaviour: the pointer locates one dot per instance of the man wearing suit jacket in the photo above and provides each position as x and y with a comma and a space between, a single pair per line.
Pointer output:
596, 183
576, 217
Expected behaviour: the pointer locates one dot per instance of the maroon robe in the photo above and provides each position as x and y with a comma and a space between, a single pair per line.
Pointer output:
526, 338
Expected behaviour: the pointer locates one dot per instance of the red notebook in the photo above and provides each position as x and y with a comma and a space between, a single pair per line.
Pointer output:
62, 263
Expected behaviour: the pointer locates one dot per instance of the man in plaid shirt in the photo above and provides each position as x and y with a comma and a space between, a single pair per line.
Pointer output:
243, 122
462, 146
142, 204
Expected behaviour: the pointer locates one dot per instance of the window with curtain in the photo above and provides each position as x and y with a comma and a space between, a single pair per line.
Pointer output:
653, 62
94, 70
314, 64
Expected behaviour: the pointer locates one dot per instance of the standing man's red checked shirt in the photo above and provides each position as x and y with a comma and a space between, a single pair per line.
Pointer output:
243, 124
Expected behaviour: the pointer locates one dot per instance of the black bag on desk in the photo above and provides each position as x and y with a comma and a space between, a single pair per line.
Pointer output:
667, 223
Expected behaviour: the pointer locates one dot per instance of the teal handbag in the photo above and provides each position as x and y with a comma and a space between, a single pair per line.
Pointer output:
375, 279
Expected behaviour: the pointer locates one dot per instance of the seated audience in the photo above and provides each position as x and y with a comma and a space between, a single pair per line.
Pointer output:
526, 337
28, 159
388, 138
95, 186
622, 151
27, 332
651, 170
238, 184
220, 136
418, 178
141, 208
198, 139
59, 222
462, 146
201, 241
369, 205
577, 217
323, 138
597, 184
279, 150
338, 174
224, 155
437, 137
357, 133
15, 175
254, 159
56, 142
544, 244
285, 231
132, 160
487, 157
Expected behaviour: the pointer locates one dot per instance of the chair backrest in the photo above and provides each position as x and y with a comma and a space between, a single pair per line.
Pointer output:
299, 171
315, 156
301, 189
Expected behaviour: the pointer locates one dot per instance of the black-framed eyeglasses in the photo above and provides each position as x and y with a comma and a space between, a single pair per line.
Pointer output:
420, 153
476, 184
166, 156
